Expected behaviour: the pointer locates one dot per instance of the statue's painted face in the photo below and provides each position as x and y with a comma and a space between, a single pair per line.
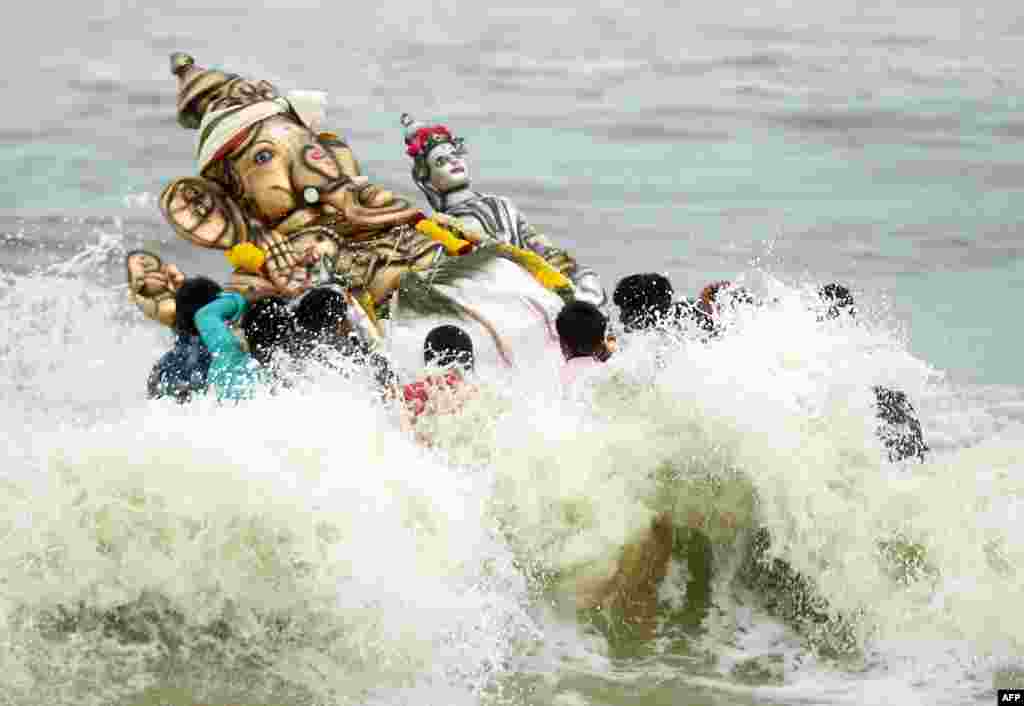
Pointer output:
448, 169
280, 159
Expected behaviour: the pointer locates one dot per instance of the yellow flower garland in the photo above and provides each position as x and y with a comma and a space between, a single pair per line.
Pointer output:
452, 245
537, 266
544, 273
246, 257
453, 224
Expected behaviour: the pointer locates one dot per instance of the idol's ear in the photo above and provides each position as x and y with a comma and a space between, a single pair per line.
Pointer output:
342, 153
322, 163
204, 214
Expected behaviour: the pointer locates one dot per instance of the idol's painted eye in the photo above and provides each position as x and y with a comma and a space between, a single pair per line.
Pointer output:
263, 156
442, 160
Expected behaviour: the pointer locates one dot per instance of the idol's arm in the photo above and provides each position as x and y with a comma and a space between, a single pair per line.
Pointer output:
585, 280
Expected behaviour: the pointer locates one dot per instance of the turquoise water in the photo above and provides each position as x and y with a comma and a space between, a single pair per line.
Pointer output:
968, 324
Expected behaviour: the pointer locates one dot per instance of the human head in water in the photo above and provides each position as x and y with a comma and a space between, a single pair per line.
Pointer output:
321, 316
725, 294
838, 299
643, 299
718, 297
582, 328
447, 346
193, 295
269, 326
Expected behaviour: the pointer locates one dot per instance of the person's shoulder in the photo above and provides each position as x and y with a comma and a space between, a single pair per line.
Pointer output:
354, 346
437, 381
681, 308
422, 388
173, 359
575, 369
230, 298
176, 351
415, 390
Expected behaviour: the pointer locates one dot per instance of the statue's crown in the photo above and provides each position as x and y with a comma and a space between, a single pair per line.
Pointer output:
223, 106
202, 90
420, 138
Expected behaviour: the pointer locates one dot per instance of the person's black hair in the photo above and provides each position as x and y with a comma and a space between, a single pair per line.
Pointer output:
319, 312
644, 289
900, 428
193, 295
581, 327
448, 345
269, 325
838, 298
643, 298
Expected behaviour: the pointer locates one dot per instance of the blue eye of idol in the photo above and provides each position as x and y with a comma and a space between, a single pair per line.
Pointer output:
263, 156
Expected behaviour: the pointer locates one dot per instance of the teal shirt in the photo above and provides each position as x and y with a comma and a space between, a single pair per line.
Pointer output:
233, 372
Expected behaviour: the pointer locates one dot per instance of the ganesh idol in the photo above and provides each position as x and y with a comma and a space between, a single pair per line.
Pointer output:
441, 171
285, 201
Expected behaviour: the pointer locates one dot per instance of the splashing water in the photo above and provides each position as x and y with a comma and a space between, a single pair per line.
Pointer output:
301, 549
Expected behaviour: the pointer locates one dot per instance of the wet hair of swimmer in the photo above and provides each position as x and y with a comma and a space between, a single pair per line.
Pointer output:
448, 345
269, 326
193, 295
838, 298
642, 298
319, 313
581, 327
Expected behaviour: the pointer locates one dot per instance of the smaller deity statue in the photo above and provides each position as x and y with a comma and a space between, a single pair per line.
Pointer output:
441, 172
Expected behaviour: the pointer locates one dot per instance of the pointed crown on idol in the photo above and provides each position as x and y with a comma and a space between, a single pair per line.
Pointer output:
223, 106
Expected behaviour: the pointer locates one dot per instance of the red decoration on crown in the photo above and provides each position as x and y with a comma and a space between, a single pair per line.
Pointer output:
426, 138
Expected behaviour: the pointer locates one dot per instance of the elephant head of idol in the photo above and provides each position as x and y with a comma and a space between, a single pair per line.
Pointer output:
264, 163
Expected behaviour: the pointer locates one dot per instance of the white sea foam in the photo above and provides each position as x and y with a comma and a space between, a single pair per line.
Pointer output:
301, 546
